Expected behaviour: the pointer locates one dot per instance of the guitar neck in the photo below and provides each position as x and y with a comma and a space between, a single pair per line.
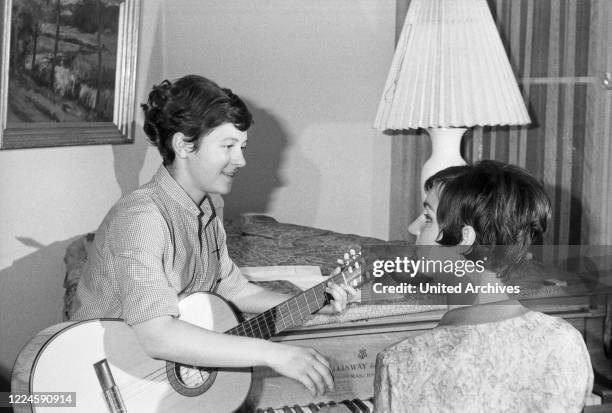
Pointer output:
290, 313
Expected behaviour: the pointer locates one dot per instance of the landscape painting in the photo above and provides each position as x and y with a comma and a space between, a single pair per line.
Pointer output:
71, 68
63, 60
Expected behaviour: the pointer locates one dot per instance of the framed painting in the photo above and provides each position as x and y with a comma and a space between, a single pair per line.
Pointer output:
68, 72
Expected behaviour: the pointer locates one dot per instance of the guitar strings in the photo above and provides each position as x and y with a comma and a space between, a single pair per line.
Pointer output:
134, 389
258, 321
262, 319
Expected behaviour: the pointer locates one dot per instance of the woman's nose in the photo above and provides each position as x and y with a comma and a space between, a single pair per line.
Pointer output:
415, 226
238, 160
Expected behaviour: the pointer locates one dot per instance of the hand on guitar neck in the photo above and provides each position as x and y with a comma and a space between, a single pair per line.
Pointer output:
340, 293
254, 299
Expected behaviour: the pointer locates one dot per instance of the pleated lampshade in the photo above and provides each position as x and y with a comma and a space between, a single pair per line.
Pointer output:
449, 70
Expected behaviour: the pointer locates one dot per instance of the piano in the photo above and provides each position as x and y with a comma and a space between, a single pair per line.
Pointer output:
345, 406
352, 347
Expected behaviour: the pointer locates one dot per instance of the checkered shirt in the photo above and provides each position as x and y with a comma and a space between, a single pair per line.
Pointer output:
153, 245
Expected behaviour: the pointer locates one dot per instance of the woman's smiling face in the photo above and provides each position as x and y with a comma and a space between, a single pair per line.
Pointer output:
211, 168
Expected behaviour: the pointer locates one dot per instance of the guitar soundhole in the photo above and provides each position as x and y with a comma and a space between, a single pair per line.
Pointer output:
188, 380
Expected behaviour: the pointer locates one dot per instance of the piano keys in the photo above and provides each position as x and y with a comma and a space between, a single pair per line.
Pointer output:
345, 406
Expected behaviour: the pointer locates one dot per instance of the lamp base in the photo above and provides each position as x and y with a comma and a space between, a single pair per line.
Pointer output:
445, 152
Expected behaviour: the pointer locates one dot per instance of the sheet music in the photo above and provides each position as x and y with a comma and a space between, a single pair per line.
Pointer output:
303, 276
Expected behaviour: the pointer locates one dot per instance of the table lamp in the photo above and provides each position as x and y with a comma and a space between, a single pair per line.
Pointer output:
449, 72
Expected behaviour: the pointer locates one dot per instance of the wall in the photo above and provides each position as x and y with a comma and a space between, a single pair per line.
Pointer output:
312, 72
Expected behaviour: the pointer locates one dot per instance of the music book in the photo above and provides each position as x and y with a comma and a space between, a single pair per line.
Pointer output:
302, 276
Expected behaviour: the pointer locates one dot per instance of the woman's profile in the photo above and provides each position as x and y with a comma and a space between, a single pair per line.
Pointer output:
495, 355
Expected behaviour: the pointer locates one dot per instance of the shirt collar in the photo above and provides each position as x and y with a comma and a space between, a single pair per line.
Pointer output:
176, 192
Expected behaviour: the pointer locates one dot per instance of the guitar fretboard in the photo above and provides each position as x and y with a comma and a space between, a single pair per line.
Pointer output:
291, 313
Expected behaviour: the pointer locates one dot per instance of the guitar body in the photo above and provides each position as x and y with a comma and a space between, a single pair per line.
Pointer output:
61, 359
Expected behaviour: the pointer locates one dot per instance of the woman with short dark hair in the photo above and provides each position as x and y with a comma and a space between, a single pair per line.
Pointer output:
164, 240
192, 105
495, 355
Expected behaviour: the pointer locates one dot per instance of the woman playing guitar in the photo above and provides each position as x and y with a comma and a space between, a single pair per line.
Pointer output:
164, 240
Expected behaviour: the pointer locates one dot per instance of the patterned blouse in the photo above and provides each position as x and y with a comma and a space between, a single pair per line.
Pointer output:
153, 245
529, 363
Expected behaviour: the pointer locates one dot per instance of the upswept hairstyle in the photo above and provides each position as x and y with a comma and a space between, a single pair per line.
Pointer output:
507, 207
194, 106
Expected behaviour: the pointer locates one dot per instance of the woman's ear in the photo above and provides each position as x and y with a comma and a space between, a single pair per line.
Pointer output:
180, 146
468, 235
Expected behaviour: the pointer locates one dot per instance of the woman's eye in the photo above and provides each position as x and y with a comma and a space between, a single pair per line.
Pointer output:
427, 218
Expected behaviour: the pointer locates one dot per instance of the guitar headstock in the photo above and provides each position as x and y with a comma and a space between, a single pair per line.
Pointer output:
351, 268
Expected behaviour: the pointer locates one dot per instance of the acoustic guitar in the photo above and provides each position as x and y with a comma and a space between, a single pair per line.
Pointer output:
101, 367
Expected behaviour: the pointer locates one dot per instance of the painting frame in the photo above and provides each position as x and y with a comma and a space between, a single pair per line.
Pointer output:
20, 135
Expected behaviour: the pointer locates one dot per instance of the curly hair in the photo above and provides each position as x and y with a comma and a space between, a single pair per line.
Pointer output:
507, 207
192, 105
